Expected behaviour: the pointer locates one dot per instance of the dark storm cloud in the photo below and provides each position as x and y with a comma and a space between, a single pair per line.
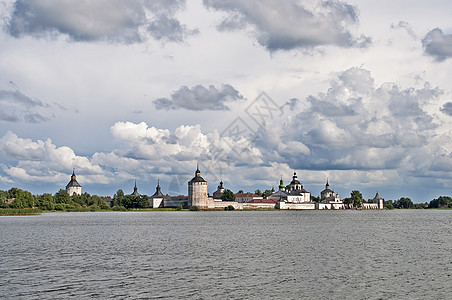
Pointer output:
438, 45
35, 118
447, 108
8, 117
15, 107
102, 20
18, 97
286, 25
200, 98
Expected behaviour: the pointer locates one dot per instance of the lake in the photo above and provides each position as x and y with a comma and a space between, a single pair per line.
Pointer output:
398, 254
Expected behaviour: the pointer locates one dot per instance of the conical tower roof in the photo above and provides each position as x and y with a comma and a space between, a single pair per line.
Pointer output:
197, 177
158, 193
135, 190
73, 182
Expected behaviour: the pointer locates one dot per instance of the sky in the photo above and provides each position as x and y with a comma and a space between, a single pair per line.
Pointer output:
354, 92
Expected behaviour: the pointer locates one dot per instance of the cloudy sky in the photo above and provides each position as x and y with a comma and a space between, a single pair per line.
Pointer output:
354, 91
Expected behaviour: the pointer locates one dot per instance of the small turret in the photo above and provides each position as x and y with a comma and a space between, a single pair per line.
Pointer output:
197, 172
281, 184
158, 193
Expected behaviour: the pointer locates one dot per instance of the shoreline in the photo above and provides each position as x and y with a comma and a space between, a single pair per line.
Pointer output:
31, 211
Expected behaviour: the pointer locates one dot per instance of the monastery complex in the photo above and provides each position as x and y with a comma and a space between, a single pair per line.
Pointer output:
291, 196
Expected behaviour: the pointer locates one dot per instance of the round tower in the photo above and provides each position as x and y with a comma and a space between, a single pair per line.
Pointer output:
197, 191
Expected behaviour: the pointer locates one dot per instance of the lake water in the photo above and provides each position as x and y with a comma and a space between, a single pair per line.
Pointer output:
399, 254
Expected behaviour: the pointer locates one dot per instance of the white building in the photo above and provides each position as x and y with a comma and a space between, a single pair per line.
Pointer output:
329, 199
73, 187
156, 200
293, 196
377, 203
295, 191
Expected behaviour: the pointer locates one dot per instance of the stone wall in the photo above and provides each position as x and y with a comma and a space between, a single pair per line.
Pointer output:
370, 206
175, 202
288, 205
239, 205
330, 206
258, 205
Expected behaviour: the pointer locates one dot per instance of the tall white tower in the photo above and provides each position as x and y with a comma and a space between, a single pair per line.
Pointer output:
197, 191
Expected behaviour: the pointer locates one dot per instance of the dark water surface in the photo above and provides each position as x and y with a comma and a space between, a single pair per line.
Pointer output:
400, 254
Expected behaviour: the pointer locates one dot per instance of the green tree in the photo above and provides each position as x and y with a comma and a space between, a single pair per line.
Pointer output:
403, 203
95, 200
240, 192
266, 193
12, 192
23, 199
103, 204
78, 200
258, 192
130, 201
117, 198
229, 207
45, 202
348, 200
388, 204
84, 199
315, 199
441, 202
420, 205
3, 203
62, 197
3, 196
228, 195
357, 198
143, 201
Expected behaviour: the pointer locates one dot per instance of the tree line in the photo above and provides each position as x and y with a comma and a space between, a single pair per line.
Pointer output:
122, 202
59, 201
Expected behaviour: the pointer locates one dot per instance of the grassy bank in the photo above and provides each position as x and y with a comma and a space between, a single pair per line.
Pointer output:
19, 211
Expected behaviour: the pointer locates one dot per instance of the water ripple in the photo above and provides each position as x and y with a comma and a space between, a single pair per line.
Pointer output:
228, 255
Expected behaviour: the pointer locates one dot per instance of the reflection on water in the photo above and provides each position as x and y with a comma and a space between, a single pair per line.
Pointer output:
228, 255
